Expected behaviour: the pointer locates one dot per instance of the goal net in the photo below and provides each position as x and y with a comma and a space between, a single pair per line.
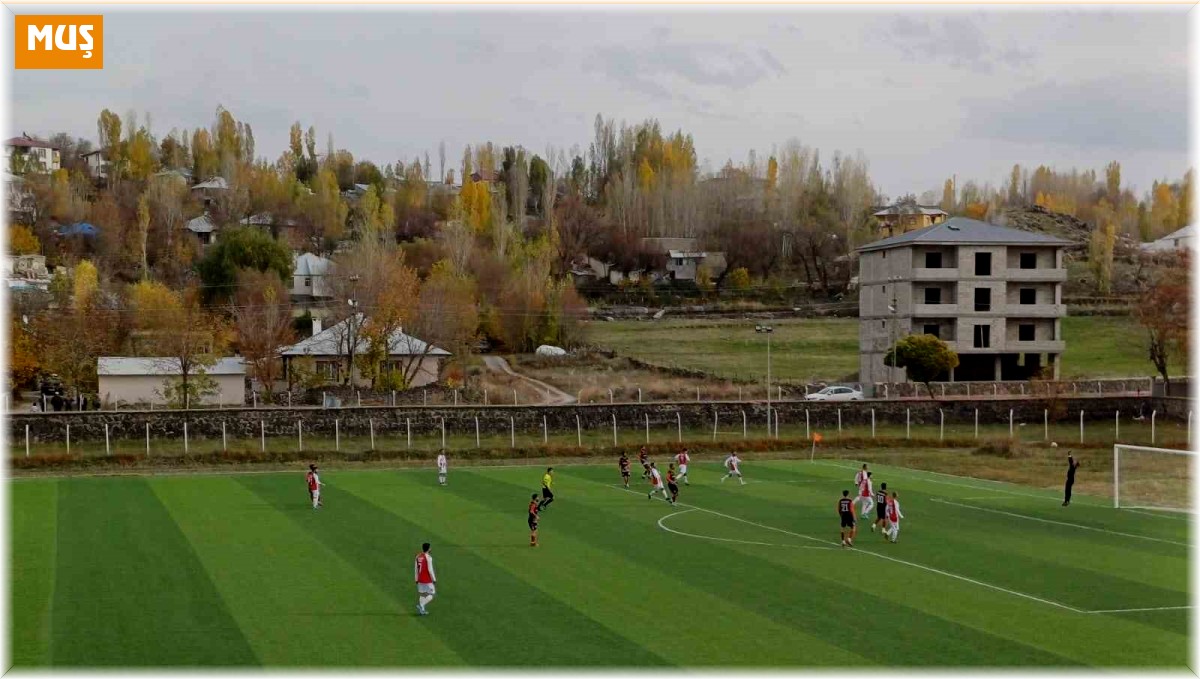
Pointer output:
1152, 478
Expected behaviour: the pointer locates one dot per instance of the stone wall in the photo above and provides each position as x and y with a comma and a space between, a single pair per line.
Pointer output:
250, 423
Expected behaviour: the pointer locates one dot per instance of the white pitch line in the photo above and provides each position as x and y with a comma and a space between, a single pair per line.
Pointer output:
889, 558
709, 537
1159, 514
1133, 610
1060, 523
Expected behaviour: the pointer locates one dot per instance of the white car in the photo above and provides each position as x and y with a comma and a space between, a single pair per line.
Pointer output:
836, 394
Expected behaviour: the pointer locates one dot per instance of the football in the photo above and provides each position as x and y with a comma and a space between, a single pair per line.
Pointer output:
1053, 444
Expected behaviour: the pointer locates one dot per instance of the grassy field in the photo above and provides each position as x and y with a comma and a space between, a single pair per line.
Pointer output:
827, 348
238, 570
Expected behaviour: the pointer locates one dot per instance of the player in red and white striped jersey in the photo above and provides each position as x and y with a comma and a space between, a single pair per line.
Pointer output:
426, 579
682, 459
866, 496
314, 486
732, 464
657, 485
860, 477
894, 516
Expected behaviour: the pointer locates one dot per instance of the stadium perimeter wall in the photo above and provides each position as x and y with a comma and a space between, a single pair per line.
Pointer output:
357, 421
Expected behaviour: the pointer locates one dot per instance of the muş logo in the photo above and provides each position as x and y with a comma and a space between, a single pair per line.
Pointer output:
59, 41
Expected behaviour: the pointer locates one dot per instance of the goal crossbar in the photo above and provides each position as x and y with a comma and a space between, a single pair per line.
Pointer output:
1117, 448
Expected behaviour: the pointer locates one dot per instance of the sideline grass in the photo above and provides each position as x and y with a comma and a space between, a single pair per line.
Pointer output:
238, 570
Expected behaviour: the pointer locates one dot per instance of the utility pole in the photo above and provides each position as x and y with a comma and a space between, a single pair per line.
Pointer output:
768, 330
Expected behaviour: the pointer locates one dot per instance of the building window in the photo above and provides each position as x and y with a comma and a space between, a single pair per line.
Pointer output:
883, 324
933, 260
1025, 332
983, 338
1028, 260
933, 295
328, 370
932, 329
983, 299
885, 254
308, 281
983, 264
1028, 296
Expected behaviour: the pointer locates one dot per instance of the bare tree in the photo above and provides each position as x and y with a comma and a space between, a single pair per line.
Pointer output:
262, 317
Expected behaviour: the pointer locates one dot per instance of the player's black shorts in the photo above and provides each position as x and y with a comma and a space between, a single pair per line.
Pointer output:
625, 473
881, 512
546, 494
847, 520
533, 522
673, 488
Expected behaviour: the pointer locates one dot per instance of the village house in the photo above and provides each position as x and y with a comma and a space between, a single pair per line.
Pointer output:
328, 348
904, 217
126, 381
28, 154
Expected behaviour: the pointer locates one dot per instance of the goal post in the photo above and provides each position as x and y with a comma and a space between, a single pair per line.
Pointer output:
1152, 478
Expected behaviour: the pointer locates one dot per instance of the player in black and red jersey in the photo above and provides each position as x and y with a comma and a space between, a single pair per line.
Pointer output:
881, 501
533, 520
645, 460
623, 463
846, 512
671, 485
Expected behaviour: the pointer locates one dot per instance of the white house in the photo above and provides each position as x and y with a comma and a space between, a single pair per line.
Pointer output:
96, 164
310, 277
328, 349
126, 380
28, 154
1178, 240
203, 227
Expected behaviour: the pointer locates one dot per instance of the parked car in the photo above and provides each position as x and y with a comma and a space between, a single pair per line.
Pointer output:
836, 394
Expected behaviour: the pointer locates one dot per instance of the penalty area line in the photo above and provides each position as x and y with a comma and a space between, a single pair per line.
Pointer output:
1059, 523
1136, 610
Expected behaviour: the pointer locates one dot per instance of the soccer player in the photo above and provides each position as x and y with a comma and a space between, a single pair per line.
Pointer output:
731, 464
656, 485
533, 519
860, 475
623, 463
881, 501
314, 486
671, 485
846, 513
442, 466
865, 494
894, 516
683, 459
1072, 465
426, 579
645, 460
547, 493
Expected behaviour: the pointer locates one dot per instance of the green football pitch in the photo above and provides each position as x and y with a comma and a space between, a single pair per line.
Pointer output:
238, 570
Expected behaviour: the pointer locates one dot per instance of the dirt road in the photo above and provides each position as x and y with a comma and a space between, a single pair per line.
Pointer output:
551, 395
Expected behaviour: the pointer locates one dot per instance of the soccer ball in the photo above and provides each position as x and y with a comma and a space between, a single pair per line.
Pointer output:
1053, 444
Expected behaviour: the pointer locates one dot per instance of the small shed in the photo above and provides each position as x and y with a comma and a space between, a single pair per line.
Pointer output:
142, 379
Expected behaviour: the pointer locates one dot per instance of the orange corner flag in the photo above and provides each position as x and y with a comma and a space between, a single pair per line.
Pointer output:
816, 438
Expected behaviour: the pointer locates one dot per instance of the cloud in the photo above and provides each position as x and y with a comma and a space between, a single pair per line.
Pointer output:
956, 41
657, 69
1132, 112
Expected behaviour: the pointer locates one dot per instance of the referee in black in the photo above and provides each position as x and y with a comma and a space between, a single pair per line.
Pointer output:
1072, 465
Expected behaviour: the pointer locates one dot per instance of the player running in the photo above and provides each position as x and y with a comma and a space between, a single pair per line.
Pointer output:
860, 476
682, 459
533, 519
314, 486
547, 493
881, 501
894, 517
645, 460
865, 493
671, 485
442, 466
849, 525
656, 485
623, 463
732, 465
426, 579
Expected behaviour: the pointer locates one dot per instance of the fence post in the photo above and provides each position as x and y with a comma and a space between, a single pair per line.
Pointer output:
485, 397
337, 435
639, 394
107, 448
697, 394
224, 439
1099, 387
408, 428
885, 392
968, 389
614, 418
739, 398
456, 397
714, 427
324, 400
839, 412
995, 389
424, 397
512, 431
515, 397
254, 395
359, 395
977, 423
1046, 424
872, 423
27, 440
578, 432
1153, 415
779, 395
477, 432
647, 427
1117, 428
743, 424
444, 432
262, 430
908, 423
941, 425
1081, 426
147, 439
943, 390
393, 398
1010, 423
371, 426
610, 397
545, 431
777, 423
300, 435
185, 439
679, 426
68, 439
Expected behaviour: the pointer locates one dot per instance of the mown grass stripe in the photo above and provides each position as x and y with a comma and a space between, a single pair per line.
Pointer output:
129, 589
482, 612
33, 561
824, 608
298, 602
633, 601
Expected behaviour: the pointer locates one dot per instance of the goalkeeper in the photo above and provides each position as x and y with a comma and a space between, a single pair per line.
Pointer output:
1072, 465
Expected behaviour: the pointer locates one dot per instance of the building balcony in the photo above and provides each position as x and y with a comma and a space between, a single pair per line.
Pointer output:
944, 274
1036, 275
1035, 346
933, 310
1034, 310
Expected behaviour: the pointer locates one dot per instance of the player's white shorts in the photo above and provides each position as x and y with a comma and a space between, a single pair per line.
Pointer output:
426, 588
735, 472
316, 495
682, 469
442, 471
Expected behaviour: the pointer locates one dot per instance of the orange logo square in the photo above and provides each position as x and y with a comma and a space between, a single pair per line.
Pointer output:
59, 41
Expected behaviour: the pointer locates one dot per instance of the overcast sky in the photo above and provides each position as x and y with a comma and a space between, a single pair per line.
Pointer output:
923, 94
